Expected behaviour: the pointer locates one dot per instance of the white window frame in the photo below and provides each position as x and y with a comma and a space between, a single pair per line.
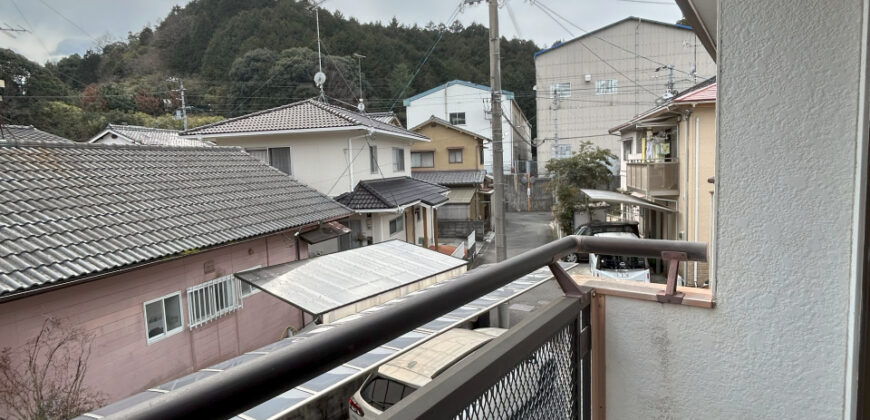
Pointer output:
606, 86
254, 290
457, 114
561, 151
259, 149
211, 292
165, 333
564, 89
398, 159
373, 159
289, 158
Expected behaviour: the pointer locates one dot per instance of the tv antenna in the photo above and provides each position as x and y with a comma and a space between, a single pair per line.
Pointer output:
320, 76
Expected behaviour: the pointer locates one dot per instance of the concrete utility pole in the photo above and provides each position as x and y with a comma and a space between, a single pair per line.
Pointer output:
498, 206
183, 106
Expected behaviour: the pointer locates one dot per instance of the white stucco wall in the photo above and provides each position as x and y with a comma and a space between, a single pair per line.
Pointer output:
320, 159
775, 346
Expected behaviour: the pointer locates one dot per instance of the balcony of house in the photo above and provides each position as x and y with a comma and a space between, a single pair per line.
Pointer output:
653, 178
548, 366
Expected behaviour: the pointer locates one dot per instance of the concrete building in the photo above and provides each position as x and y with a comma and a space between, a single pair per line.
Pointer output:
137, 245
467, 105
603, 78
667, 157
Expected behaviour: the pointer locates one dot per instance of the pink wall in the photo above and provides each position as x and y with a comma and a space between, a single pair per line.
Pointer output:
122, 362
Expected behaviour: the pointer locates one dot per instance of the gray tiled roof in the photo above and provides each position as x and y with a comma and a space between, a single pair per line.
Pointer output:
452, 178
302, 115
11, 132
386, 116
72, 211
390, 193
154, 136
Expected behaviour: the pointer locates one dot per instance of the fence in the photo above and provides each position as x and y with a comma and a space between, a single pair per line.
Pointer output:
653, 177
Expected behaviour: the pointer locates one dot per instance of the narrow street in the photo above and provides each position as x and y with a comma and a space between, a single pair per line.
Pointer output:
524, 232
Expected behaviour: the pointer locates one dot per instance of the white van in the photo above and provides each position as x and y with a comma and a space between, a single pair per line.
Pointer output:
619, 267
403, 375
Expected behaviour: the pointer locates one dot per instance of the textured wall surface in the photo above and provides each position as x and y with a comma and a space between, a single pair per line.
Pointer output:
775, 345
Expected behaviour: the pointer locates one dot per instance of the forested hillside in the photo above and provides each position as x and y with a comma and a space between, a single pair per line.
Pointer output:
237, 57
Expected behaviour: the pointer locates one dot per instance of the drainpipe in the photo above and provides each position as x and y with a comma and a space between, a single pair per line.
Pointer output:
695, 219
350, 163
688, 120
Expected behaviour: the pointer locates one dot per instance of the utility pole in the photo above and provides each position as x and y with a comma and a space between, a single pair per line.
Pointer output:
183, 105
556, 97
498, 206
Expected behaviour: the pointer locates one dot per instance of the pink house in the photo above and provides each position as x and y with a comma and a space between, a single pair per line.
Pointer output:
138, 245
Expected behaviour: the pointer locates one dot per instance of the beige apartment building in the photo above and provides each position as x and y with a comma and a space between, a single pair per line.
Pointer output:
601, 79
668, 157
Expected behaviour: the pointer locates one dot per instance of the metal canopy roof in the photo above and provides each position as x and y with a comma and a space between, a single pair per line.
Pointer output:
325, 232
619, 198
323, 284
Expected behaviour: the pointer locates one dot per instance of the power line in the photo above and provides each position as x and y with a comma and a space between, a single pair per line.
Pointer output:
68, 20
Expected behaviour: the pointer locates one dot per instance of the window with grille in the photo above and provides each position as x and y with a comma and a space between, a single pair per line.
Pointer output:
605, 87
562, 90
212, 299
163, 317
454, 155
422, 159
398, 159
457, 118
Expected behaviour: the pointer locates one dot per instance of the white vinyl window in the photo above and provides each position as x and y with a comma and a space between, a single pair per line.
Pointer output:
562, 90
279, 158
210, 300
605, 87
397, 225
398, 159
454, 155
163, 317
245, 288
457, 118
422, 159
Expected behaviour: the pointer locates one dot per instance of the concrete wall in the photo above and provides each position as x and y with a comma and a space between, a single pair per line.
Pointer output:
586, 113
516, 195
775, 345
319, 160
443, 139
460, 228
122, 362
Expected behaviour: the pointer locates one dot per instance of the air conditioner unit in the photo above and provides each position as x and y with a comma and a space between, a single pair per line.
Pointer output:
588, 78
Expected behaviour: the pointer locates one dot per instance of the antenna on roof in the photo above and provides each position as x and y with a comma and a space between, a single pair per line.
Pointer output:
319, 77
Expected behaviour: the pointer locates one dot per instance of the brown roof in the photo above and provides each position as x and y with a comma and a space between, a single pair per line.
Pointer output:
436, 120
302, 115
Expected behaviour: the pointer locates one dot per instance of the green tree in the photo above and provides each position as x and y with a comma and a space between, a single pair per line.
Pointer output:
587, 168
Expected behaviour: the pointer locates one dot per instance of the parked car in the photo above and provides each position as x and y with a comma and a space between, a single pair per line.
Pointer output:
590, 229
399, 377
619, 266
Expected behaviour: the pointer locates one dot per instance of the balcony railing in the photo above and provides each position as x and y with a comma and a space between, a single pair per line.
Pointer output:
654, 178
538, 369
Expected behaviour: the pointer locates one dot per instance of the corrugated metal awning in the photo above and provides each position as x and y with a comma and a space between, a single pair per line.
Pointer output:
324, 232
461, 195
323, 284
614, 197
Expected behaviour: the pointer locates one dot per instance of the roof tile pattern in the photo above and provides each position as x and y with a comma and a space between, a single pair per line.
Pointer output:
452, 178
11, 132
71, 211
302, 115
155, 136
390, 193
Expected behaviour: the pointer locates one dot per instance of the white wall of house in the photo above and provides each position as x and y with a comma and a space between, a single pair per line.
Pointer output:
474, 102
320, 159
777, 344
585, 114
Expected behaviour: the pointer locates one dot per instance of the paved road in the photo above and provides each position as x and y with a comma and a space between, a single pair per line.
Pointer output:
525, 231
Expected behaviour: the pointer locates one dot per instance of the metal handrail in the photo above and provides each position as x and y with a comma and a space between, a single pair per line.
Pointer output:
259, 380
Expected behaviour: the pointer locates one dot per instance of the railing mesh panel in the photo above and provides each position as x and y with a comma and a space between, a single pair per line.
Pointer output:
543, 386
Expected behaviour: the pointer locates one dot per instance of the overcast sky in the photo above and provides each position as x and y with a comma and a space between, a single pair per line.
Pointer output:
63, 27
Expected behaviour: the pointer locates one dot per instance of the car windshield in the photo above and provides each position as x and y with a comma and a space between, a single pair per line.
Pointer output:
382, 393
616, 262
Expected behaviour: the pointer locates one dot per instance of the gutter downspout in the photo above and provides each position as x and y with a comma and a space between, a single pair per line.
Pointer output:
350, 163
695, 219
688, 120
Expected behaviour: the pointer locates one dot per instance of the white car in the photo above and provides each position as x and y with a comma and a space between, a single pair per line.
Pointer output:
619, 267
399, 377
